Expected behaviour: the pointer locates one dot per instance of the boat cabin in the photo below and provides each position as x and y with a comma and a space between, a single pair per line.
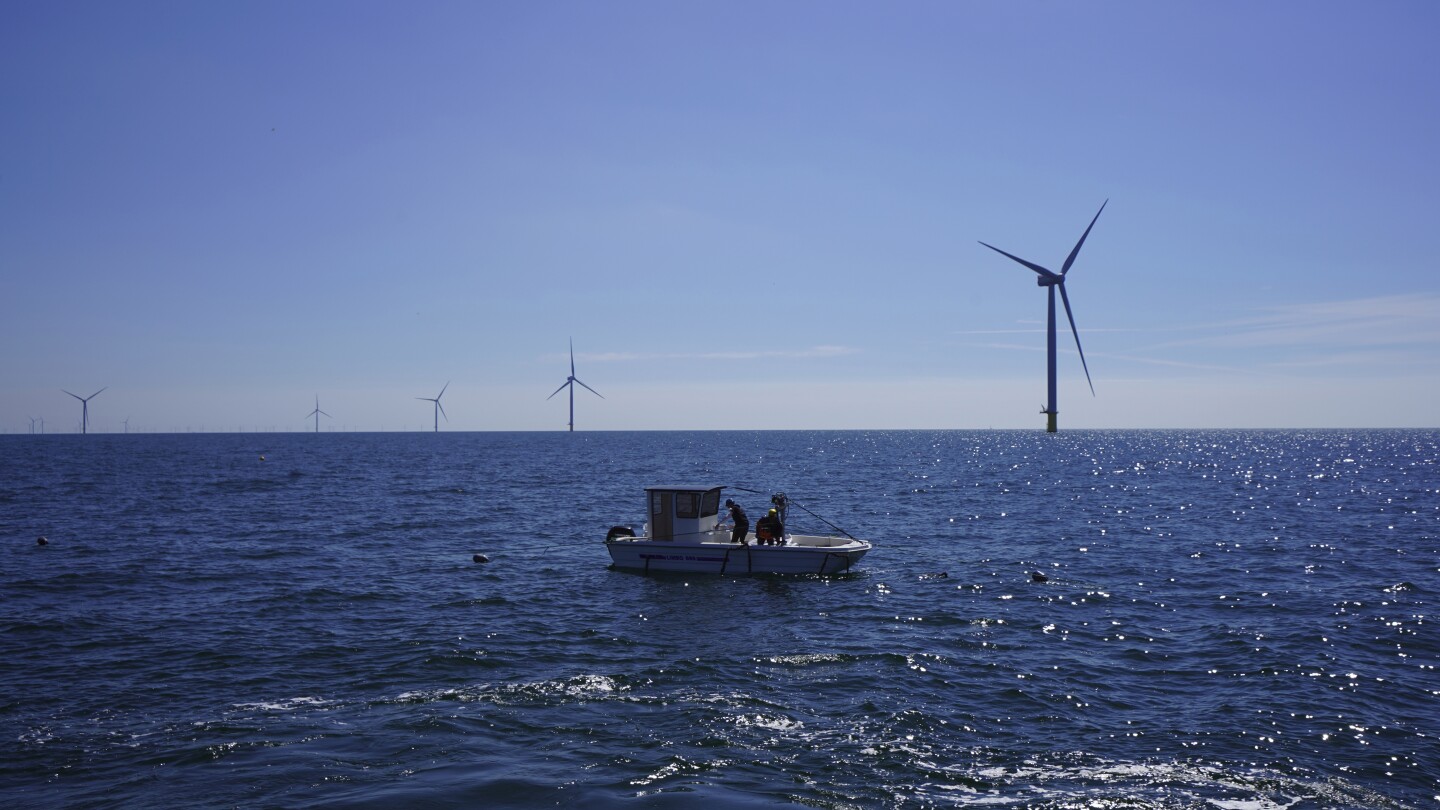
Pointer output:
682, 513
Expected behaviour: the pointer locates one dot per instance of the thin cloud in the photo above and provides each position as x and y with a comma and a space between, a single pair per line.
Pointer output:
1039, 330
1156, 361
1011, 347
1393, 320
1093, 356
809, 353
1364, 359
1378, 320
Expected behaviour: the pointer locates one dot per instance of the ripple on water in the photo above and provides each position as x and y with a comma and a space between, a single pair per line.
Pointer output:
1229, 619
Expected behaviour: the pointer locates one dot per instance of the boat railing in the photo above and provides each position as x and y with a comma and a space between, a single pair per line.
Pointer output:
814, 541
683, 537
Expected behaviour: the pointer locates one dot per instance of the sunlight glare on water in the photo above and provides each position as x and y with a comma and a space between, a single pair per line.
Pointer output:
1226, 619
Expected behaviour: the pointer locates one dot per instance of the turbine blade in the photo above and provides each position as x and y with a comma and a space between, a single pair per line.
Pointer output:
572, 358
561, 388
442, 391
96, 394
1076, 332
77, 396
322, 413
592, 390
1037, 268
1073, 253
442, 409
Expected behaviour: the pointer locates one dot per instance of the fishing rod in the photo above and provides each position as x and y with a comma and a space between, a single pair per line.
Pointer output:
781, 498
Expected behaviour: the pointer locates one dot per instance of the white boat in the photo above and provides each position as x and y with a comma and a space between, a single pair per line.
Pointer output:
684, 533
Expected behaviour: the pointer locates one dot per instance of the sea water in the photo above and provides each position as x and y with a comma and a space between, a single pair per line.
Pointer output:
1209, 619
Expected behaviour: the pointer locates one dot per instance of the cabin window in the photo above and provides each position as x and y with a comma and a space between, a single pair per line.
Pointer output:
710, 504
687, 505
657, 504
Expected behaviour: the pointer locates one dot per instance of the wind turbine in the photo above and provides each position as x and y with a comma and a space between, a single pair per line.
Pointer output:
85, 408
317, 413
570, 382
32, 425
439, 409
1054, 281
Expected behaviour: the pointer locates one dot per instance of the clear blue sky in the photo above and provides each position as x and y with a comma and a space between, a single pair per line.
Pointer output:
746, 214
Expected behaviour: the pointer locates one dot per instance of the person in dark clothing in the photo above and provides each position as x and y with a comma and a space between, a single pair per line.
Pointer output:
769, 530
741, 521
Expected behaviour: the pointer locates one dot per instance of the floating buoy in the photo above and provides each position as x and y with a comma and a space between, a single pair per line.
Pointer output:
262, 458
41, 541
1039, 577
481, 558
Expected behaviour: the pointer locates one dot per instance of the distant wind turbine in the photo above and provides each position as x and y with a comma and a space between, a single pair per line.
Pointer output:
85, 408
126, 423
32, 425
317, 413
439, 409
1054, 281
571, 382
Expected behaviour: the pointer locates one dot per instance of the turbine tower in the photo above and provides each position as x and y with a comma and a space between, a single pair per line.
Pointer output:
317, 413
1054, 281
85, 408
571, 382
439, 409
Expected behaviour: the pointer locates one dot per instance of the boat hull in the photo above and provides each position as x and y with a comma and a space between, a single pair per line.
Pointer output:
827, 556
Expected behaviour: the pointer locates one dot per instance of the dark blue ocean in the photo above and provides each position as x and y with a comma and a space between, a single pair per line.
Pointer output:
1229, 619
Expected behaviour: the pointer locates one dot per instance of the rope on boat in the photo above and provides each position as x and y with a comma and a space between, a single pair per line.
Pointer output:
679, 535
675, 536
804, 509
794, 502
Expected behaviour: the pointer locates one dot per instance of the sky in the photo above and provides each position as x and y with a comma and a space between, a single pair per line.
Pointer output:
746, 215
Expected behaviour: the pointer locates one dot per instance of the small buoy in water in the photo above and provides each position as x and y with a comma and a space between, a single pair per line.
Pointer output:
41, 541
262, 458
1039, 577
481, 558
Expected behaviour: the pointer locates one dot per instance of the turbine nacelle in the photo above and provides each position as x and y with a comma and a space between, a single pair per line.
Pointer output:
1049, 281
